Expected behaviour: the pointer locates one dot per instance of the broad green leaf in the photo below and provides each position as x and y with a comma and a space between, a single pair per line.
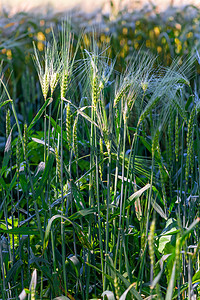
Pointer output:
167, 234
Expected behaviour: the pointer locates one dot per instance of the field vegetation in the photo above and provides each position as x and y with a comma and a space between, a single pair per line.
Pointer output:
100, 161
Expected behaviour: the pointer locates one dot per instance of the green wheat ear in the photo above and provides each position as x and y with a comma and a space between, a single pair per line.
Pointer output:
75, 140
106, 138
117, 287
101, 158
18, 157
58, 166
68, 126
176, 138
151, 251
156, 147
192, 156
64, 83
189, 143
8, 123
25, 141
43, 72
67, 57
170, 136
94, 92
177, 252
151, 243
121, 93
54, 78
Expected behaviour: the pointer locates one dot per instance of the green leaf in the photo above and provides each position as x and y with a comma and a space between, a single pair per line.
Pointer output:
126, 283
39, 114
78, 197
12, 184
171, 284
45, 175
32, 287
89, 211
166, 236
2, 182
189, 230
7, 153
196, 277
11, 273
182, 289
80, 112
110, 279
109, 295
5, 102
189, 101
159, 210
137, 195
58, 129
83, 239
123, 296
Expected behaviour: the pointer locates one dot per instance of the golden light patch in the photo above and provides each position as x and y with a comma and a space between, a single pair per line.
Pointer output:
40, 46
125, 30
41, 36
156, 31
190, 34
159, 49
47, 30
148, 43
9, 54
9, 25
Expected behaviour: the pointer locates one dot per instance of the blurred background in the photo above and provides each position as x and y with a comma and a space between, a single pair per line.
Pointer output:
89, 5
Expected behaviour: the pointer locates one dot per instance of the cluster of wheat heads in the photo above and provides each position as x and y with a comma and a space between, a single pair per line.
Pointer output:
103, 201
